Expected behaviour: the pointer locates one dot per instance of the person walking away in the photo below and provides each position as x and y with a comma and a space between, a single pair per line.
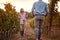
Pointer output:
39, 11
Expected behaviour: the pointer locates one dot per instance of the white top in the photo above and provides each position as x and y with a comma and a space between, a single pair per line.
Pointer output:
22, 18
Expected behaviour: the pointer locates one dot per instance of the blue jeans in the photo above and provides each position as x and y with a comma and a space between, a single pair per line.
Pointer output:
38, 23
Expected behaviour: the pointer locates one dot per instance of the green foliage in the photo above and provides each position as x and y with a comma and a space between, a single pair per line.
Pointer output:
55, 20
9, 20
31, 22
29, 15
8, 6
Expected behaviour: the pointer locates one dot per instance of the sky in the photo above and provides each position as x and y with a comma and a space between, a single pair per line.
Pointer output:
26, 4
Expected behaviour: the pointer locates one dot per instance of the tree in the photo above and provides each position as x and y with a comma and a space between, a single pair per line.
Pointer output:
9, 22
52, 12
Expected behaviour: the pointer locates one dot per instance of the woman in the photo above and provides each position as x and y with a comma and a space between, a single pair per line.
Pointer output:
22, 21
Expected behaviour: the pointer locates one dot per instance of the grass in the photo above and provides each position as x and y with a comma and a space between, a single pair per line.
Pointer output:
31, 22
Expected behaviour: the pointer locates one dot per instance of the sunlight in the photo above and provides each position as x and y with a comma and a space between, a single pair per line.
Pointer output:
26, 4
46, 1
59, 6
1, 6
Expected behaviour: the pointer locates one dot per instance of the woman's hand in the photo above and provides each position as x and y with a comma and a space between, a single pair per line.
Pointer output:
23, 21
